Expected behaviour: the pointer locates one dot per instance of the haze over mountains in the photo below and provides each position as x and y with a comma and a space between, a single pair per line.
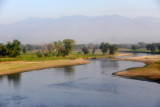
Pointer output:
83, 29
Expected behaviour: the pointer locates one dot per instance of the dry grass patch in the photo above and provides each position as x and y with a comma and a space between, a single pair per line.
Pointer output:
15, 67
150, 71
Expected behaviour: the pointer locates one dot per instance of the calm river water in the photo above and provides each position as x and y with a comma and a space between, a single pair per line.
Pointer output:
90, 85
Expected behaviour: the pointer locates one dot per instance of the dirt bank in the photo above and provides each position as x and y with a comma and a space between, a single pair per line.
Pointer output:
151, 71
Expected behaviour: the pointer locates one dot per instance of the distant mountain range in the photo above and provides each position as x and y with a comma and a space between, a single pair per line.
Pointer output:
84, 29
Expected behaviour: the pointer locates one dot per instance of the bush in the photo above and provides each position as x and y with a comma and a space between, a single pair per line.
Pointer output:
40, 54
85, 50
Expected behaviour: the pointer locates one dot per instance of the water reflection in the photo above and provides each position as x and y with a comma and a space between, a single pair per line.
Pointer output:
107, 67
12, 79
111, 64
69, 73
69, 70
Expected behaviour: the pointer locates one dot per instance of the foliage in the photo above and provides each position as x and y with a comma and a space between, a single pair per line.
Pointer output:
40, 54
85, 50
134, 47
113, 49
58, 45
62, 52
104, 47
57, 48
51, 48
10, 49
2, 50
152, 47
68, 44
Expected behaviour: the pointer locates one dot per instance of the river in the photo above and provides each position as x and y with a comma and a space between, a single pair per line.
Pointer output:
90, 85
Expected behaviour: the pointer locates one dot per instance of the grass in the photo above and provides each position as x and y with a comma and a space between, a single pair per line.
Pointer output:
21, 66
150, 72
33, 57
29, 61
138, 50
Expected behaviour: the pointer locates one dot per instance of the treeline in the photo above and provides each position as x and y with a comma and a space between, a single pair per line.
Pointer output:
105, 48
129, 46
153, 47
11, 49
57, 48
108, 48
30, 47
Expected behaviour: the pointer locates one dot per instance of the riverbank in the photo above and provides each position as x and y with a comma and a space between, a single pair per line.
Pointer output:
10, 67
22, 66
150, 72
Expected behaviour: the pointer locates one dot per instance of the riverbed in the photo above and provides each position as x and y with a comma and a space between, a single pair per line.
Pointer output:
90, 85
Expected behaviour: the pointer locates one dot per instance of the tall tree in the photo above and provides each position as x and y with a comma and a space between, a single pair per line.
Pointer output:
134, 47
58, 45
85, 50
51, 48
2, 50
113, 49
152, 47
68, 44
158, 46
13, 49
104, 47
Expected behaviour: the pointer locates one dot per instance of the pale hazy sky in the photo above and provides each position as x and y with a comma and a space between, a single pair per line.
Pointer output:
15, 10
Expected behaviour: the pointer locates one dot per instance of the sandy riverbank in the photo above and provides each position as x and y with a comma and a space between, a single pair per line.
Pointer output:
21, 66
11, 67
151, 71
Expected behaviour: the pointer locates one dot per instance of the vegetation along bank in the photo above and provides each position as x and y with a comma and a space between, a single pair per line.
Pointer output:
15, 57
150, 72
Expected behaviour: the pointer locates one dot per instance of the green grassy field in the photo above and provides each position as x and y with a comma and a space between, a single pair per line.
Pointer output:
33, 57
138, 50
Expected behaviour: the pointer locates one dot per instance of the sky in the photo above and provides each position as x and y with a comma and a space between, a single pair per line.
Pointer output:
15, 10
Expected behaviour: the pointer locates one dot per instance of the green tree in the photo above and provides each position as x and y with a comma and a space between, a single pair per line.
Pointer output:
68, 44
152, 47
134, 47
13, 49
51, 48
2, 50
40, 54
85, 50
58, 45
62, 52
113, 49
10, 49
158, 46
104, 47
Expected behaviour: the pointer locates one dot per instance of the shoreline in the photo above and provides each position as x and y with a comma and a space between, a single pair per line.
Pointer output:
151, 71
11, 67
21, 66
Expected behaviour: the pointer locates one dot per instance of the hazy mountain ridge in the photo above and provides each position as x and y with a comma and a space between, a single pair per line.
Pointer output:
114, 29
